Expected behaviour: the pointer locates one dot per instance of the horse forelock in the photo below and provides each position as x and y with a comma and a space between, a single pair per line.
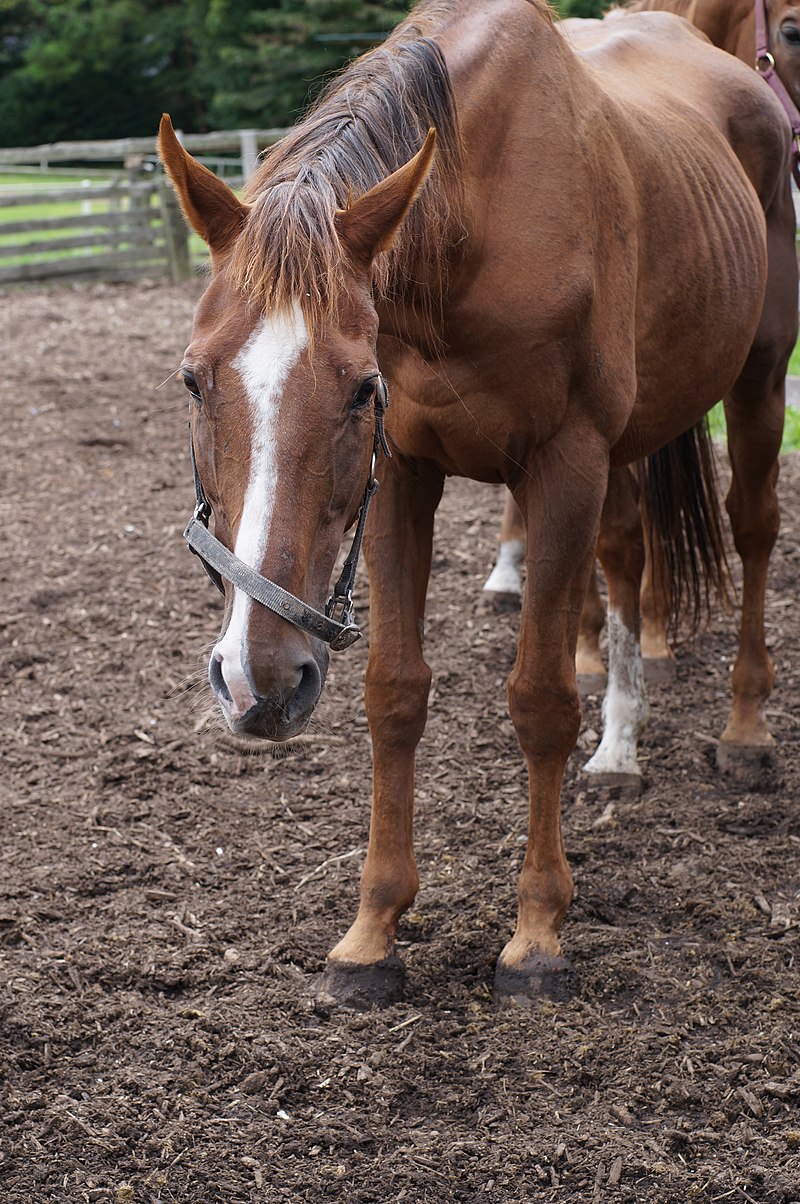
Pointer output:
370, 121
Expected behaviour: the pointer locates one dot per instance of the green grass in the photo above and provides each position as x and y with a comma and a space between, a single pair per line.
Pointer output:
791, 429
43, 184
29, 183
794, 362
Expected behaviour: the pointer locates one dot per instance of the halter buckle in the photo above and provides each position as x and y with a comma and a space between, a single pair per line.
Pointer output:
764, 63
339, 608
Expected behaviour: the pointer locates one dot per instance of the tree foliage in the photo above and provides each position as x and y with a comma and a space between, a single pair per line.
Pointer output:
269, 60
73, 69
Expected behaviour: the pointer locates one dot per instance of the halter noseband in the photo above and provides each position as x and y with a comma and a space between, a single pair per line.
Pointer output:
336, 626
765, 66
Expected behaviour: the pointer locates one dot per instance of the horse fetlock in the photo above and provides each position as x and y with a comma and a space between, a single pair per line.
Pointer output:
617, 752
506, 576
653, 642
747, 727
588, 661
369, 940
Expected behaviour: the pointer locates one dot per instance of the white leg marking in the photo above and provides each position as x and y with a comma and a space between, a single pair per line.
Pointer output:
505, 577
625, 704
263, 363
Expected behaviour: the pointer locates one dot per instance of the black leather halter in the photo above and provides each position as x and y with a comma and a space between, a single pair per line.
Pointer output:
337, 625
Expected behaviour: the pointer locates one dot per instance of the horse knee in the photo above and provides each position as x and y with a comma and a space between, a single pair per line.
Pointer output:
547, 718
397, 702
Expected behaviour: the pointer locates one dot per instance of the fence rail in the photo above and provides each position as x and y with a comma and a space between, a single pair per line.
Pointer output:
124, 230
115, 149
128, 227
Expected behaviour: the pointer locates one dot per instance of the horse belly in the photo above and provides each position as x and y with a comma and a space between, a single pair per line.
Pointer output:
702, 286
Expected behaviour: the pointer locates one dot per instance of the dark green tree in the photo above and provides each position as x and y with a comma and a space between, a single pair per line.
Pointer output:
98, 68
582, 8
267, 60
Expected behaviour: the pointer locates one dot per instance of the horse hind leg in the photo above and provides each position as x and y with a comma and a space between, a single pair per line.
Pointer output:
659, 662
621, 552
754, 438
503, 588
588, 662
754, 410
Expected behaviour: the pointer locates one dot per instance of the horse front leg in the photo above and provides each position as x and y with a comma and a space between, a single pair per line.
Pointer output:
364, 970
562, 505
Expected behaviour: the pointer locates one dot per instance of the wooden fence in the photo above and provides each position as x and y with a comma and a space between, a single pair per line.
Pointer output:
128, 227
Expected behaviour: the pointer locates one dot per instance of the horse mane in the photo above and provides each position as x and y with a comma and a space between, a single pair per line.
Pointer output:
369, 121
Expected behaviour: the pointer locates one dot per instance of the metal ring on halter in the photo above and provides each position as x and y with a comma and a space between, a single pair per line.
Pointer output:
767, 59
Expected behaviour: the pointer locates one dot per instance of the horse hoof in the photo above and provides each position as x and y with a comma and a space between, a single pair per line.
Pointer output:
626, 783
498, 603
591, 683
659, 670
361, 987
539, 976
746, 763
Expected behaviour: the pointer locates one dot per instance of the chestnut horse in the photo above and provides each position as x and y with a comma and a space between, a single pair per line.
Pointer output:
558, 281
731, 25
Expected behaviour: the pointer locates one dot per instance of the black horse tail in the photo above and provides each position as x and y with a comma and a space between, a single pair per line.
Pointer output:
681, 506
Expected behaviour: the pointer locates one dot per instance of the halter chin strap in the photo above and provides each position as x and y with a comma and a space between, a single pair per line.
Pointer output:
337, 625
765, 66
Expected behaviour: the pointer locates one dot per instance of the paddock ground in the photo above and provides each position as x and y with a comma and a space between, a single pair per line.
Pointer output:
165, 903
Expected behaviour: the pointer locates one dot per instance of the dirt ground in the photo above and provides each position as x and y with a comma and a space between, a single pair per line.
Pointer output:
165, 902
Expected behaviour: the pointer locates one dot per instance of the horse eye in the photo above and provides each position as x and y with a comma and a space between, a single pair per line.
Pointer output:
191, 385
364, 394
791, 33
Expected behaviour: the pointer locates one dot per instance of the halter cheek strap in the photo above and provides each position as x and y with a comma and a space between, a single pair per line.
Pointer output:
765, 66
336, 626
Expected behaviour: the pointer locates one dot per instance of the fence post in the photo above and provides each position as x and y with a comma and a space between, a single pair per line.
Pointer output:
249, 151
176, 234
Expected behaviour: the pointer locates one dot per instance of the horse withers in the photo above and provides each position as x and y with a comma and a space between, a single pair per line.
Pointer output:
566, 283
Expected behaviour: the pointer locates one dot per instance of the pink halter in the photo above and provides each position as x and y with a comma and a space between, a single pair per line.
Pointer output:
765, 66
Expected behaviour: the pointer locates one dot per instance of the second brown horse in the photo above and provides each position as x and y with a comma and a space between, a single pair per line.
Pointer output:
730, 25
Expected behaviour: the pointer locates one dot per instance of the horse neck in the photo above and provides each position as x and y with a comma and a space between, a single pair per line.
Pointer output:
729, 24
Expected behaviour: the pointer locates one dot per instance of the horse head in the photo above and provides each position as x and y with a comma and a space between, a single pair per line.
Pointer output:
282, 425
783, 22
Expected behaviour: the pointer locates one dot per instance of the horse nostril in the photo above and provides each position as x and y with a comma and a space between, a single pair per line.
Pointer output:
217, 678
307, 691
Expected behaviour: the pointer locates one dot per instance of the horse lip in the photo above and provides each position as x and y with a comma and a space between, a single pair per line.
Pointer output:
258, 725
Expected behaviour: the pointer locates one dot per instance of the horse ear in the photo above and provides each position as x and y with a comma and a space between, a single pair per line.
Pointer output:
370, 224
210, 207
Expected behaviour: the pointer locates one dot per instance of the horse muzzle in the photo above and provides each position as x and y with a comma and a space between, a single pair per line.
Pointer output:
277, 713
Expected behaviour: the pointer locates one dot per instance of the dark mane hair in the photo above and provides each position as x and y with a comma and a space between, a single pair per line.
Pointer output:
369, 121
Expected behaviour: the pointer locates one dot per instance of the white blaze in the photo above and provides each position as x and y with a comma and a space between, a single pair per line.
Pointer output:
264, 363
625, 704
